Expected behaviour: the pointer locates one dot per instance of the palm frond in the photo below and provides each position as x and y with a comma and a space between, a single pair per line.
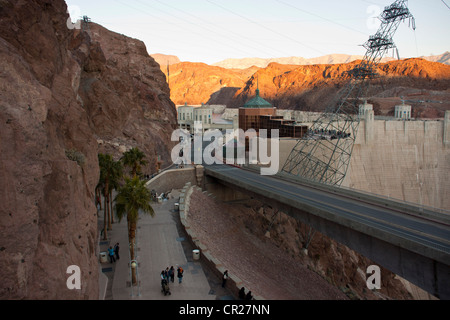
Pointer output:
133, 197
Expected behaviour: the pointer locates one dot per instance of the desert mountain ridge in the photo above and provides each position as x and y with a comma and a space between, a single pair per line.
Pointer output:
244, 63
326, 59
423, 83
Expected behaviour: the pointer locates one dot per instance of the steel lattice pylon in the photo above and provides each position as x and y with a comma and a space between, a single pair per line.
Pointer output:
324, 153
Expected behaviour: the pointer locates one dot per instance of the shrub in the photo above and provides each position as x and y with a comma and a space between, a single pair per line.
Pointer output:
77, 156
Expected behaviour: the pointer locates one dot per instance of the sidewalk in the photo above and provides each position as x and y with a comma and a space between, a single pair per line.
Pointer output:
160, 243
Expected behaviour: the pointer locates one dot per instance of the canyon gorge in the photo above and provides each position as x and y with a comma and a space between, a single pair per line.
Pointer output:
68, 94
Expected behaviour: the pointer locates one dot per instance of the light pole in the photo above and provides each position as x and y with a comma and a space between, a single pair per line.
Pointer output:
134, 266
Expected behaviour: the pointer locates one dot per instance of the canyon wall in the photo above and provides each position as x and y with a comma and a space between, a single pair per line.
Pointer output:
125, 95
48, 219
62, 91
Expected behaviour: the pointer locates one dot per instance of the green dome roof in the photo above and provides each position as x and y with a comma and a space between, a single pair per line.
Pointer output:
258, 102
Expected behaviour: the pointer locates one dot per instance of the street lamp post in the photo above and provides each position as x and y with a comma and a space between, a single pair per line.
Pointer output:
134, 266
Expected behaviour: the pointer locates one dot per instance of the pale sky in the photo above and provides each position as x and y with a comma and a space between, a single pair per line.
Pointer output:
213, 30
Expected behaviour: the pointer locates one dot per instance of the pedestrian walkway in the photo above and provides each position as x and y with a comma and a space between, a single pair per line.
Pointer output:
160, 244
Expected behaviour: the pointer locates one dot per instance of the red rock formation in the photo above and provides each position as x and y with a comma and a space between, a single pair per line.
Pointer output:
60, 91
313, 87
194, 83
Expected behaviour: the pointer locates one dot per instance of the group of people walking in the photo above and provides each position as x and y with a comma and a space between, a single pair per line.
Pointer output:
169, 274
243, 296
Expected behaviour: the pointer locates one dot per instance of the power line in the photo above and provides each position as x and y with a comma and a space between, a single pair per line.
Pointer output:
445, 4
208, 29
318, 16
265, 27
167, 22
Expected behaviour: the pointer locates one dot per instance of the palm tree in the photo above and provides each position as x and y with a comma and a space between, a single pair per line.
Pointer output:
114, 185
132, 198
134, 159
110, 173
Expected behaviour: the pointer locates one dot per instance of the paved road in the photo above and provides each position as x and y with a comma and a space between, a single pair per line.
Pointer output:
421, 230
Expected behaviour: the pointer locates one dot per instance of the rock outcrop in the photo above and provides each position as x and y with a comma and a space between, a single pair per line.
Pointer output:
62, 91
194, 83
125, 95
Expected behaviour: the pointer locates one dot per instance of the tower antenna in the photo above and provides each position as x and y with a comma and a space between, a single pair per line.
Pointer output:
324, 153
168, 74
86, 21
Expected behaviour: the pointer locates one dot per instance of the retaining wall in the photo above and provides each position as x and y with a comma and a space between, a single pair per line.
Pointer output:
233, 282
172, 179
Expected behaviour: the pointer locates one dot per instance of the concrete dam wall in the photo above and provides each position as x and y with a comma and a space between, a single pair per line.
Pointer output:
406, 160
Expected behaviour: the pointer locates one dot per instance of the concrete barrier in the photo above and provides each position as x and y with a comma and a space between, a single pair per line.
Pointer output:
172, 179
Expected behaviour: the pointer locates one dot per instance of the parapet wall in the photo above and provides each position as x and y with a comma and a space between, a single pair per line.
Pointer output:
172, 179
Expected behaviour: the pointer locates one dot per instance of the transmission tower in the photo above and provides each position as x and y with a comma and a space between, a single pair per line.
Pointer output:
85, 23
324, 153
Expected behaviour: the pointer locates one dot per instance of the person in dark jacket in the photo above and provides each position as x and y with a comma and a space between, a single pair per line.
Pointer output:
242, 294
116, 251
180, 274
172, 274
224, 278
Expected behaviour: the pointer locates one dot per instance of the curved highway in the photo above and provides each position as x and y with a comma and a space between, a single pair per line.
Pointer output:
429, 232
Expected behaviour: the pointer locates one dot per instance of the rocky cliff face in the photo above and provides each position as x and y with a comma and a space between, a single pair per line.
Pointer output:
124, 94
62, 91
